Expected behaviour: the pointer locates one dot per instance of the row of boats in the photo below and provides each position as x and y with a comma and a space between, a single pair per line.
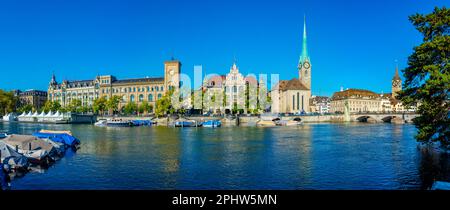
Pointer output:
178, 123
19, 152
194, 123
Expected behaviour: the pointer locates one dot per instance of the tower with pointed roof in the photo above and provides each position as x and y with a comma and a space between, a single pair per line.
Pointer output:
53, 80
304, 63
396, 83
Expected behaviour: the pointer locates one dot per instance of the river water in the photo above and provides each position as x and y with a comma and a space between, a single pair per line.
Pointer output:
311, 156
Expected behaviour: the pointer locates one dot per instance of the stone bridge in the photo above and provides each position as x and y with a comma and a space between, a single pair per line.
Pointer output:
359, 117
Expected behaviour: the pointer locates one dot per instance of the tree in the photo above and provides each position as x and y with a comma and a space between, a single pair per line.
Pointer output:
74, 105
145, 107
25, 108
7, 102
163, 105
47, 106
99, 105
113, 104
427, 77
130, 108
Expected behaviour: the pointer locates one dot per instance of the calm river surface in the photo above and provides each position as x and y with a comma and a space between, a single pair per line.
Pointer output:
312, 156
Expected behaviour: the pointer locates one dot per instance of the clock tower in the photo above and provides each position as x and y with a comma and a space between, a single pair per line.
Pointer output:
396, 83
304, 64
172, 70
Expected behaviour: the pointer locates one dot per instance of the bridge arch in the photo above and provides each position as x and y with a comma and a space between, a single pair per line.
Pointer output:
363, 118
388, 119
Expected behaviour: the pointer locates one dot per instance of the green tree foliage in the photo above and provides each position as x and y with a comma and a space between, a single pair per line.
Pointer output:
74, 105
113, 104
99, 105
7, 102
145, 107
25, 108
427, 77
130, 108
52, 106
163, 105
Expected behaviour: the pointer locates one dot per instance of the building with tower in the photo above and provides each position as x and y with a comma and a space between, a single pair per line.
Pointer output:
225, 93
292, 96
136, 90
357, 100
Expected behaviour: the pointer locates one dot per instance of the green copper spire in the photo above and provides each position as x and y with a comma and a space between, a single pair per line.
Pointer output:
304, 54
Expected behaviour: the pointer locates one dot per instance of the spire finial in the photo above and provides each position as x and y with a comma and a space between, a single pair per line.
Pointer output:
396, 76
304, 54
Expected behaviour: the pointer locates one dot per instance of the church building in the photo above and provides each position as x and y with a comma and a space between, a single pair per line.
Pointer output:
292, 96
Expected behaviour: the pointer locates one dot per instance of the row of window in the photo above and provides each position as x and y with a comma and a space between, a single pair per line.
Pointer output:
141, 98
134, 89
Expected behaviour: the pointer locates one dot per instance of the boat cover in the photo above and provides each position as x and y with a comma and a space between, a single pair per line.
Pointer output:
59, 137
11, 157
23, 142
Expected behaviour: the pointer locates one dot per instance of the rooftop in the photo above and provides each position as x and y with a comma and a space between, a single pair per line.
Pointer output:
354, 93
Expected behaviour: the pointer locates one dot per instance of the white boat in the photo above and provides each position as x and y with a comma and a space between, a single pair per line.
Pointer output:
100, 123
114, 123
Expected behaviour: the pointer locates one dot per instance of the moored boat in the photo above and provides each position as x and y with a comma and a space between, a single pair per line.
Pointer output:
185, 123
101, 123
265, 123
56, 132
118, 123
11, 157
212, 123
36, 150
59, 137
141, 122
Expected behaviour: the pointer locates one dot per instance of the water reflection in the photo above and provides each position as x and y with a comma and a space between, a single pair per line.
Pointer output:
312, 156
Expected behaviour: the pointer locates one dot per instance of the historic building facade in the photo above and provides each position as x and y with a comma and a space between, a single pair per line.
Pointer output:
224, 93
293, 96
355, 100
319, 104
129, 90
35, 98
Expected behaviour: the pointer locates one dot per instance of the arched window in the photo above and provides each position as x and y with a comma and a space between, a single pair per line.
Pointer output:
157, 88
213, 83
234, 89
124, 98
141, 98
132, 98
159, 96
150, 97
162, 88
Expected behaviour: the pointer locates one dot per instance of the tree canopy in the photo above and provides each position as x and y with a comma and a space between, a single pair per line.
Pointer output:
427, 77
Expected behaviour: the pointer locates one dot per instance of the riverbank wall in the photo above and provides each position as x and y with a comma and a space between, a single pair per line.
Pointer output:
252, 120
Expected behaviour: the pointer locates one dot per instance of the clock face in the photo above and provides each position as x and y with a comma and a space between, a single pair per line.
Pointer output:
306, 65
171, 72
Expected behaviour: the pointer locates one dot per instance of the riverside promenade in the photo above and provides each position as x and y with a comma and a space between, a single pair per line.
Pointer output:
398, 118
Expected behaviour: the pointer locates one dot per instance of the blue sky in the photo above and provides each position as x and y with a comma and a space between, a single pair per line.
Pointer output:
352, 43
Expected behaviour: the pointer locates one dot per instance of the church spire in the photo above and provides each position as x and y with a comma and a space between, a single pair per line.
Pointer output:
304, 54
396, 76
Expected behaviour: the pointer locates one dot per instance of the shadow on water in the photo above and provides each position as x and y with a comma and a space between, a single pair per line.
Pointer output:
433, 166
